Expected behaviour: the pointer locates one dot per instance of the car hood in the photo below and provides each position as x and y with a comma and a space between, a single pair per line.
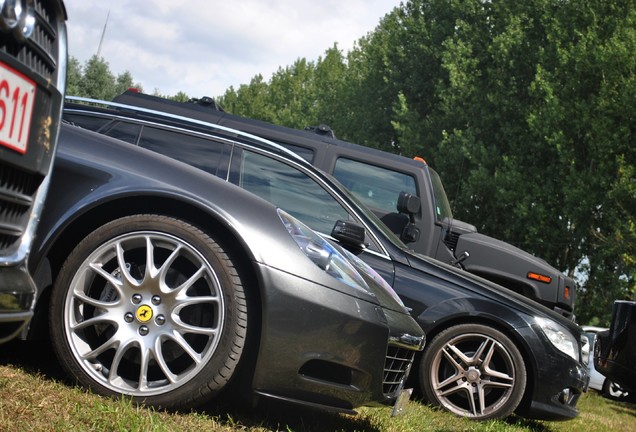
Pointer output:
478, 286
482, 250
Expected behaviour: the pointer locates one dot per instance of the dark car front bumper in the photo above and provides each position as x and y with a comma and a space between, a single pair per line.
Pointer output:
37, 57
558, 382
323, 348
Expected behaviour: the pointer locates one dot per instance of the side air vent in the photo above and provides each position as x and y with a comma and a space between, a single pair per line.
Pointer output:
396, 369
450, 239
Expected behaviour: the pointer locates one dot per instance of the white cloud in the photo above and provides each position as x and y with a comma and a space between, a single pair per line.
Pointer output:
204, 47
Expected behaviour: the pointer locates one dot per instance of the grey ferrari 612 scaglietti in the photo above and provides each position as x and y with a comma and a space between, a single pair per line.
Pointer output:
167, 284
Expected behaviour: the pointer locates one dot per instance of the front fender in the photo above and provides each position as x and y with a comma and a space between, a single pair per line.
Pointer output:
442, 314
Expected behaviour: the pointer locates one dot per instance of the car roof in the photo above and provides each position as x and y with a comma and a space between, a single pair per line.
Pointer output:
131, 111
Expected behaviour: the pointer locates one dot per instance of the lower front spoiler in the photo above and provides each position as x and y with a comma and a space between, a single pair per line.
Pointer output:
307, 403
561, 407
12, 324
557, 386
17, 291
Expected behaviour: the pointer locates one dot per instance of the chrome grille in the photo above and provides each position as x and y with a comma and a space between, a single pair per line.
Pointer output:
396, 369
41, 51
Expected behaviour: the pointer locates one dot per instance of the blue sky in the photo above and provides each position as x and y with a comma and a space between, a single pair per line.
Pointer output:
203, 47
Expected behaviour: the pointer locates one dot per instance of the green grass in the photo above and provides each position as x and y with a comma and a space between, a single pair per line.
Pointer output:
35, 397
32, 401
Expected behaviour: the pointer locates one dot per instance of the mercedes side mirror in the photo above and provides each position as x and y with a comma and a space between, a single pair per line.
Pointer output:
349, 234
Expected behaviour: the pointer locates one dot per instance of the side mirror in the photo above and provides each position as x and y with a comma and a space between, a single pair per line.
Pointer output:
409, 204
349, 233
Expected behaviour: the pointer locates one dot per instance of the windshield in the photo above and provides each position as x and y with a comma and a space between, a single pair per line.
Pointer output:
442, 206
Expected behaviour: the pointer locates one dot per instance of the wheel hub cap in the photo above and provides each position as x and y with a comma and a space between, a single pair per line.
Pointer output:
473, 375
144, 313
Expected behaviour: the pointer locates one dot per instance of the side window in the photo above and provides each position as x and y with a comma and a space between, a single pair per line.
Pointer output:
378, 188
124, 131
206, 154
290, 189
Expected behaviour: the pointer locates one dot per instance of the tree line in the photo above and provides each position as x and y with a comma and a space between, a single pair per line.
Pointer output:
526, 110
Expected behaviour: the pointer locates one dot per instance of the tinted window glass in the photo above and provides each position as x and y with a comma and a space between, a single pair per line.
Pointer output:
89, 122
124, 131
291, 190
378, 188
207, 154
442, 206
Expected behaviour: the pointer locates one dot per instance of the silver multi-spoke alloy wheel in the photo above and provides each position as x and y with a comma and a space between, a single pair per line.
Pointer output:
149, 309
473, 371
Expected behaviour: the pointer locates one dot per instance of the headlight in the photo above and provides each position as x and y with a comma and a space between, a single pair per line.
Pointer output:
323, 254
560, 337
366, 268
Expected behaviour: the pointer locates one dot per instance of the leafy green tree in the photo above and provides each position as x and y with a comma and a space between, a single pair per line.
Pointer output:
250, 100
303, 94
524, 108
73, 76
124, 82
180, 97
329, 87
95, 80
98, 81
291, 90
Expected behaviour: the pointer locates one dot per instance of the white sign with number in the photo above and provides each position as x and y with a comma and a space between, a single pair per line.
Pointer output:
17, 93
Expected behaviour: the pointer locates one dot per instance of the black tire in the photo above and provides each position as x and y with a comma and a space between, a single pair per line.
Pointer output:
611, 390
167, 328
473, 371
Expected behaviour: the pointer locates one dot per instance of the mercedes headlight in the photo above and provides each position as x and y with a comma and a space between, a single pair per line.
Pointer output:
560, 337
323, 254
364, 267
